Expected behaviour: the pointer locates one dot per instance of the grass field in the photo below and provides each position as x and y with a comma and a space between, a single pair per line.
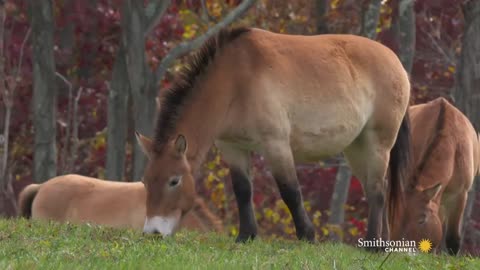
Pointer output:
34, 245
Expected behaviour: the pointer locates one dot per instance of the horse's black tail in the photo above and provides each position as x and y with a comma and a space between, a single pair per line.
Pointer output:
399, 165
25, 200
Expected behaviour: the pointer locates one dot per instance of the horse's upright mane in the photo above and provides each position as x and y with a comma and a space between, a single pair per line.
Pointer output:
175, 97
434, 142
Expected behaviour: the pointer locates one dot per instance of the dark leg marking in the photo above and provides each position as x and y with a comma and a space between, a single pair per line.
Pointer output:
376, 203
242, 187
292, 197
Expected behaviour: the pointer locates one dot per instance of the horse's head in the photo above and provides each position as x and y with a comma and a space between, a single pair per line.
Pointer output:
169, 185
419, 219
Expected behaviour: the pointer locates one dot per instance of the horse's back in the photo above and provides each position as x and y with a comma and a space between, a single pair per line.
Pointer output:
77, 198
446, 145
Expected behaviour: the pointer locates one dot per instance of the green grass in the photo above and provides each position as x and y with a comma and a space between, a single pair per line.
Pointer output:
26, 244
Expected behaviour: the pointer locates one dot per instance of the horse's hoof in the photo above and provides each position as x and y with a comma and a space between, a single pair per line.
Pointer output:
307, 235
308, 238
244, 238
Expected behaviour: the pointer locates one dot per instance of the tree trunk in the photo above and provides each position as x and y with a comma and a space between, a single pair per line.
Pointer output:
339, 197
321, 11
7, 196
117, 118
44, 90
370, 16
405, 29
142, 82
467, 80
144, 106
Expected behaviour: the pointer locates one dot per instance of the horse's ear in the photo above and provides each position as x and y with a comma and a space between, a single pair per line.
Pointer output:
181, 144
145, 143
433, 191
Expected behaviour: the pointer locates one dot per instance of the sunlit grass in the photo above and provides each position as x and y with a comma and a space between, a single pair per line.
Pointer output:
26, 244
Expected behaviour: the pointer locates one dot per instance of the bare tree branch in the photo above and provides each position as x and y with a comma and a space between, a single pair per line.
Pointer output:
154, 12
66, 141
205, 12
20, 59
73, 152
449, 55
187, 46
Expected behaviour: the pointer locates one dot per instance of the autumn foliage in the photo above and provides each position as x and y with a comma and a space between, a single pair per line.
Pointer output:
86, 42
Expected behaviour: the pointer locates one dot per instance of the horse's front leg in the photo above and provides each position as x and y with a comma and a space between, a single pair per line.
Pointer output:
242, 187
239, 162
280, 158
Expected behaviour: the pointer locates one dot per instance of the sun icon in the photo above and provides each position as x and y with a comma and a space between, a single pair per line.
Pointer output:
425, 245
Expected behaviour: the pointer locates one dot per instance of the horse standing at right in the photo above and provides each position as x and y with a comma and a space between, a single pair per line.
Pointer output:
446, 154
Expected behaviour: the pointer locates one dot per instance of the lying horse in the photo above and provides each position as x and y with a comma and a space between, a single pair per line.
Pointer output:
446, 153
80, 199
293, 99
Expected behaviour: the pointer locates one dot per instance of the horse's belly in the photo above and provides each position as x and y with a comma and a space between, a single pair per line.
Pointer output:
313, 138
315, 146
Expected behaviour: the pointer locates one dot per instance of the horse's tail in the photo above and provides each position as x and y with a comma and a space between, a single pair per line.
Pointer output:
399, 165
25, 200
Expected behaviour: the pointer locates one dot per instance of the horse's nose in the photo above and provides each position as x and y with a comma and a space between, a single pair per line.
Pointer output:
154, 232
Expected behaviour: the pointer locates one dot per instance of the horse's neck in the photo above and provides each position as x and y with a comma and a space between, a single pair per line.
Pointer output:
203, 120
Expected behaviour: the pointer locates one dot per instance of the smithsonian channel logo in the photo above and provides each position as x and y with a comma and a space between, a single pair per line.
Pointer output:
408, 246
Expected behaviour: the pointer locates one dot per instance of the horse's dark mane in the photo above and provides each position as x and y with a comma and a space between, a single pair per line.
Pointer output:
182, 89
434, 142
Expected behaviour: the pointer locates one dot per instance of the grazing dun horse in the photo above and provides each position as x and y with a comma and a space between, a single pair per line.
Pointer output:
80, 199
446, 155
291, 98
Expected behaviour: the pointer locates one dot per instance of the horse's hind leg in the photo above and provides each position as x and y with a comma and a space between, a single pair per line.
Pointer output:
385, 227
455, 216
239, 162
280, 158
369, 162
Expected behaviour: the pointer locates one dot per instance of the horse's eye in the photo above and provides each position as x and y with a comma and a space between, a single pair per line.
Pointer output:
174, 181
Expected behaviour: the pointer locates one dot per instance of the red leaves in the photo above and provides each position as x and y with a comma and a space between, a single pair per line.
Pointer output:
359, 224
